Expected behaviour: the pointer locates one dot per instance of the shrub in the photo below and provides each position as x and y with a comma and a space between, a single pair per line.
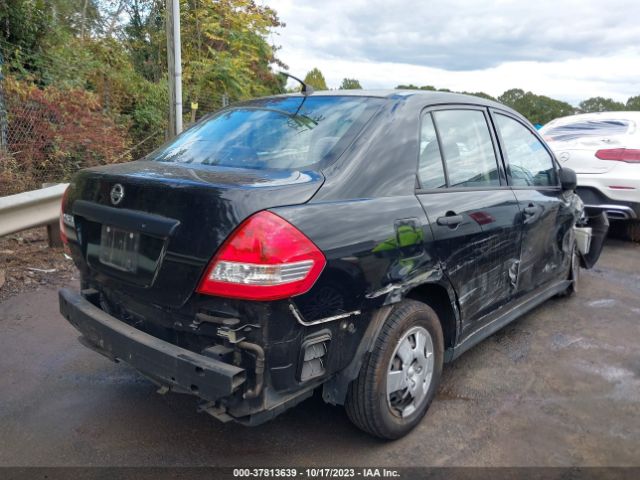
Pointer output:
51, 133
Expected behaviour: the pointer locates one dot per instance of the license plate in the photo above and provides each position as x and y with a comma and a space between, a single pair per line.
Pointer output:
119, 248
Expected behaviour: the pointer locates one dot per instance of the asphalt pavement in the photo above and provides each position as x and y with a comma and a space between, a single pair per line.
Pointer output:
558, 387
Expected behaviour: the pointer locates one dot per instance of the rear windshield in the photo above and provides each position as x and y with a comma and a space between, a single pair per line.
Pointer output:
586, 128
280, 133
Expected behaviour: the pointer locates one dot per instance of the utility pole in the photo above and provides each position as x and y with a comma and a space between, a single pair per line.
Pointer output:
174, 58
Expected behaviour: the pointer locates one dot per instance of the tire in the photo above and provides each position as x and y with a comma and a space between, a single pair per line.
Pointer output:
628, 230
633, 230
368, 404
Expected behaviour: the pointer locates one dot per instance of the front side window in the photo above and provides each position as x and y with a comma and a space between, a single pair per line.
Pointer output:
467, 148
277, 133
529, 162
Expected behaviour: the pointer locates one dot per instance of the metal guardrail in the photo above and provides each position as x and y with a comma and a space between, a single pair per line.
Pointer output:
30, 209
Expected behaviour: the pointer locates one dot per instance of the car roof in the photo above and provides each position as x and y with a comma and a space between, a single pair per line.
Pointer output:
429, 96
416, 98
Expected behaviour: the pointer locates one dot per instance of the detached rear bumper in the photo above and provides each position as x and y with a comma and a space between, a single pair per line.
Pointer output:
171, 365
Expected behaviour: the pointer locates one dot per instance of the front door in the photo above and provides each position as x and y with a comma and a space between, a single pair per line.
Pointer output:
546, 219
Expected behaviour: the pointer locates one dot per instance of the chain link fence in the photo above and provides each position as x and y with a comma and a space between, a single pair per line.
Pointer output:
48, 134
19, 122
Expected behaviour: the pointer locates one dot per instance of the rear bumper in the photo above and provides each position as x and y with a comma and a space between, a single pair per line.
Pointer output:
169, 364
615, 209
621, 184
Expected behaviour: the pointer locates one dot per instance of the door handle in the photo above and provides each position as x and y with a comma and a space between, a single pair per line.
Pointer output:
531, 213
531, 210
450, 220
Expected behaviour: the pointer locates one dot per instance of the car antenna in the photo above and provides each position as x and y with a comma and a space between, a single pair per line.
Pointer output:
306, 89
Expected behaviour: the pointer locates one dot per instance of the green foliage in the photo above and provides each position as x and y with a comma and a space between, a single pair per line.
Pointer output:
144, 38
315, 79
147, 115
40, 39
481, 95
600, 104
411, 86
350, 84
111, 57
431, 88
225, 51
537, 108
633, 103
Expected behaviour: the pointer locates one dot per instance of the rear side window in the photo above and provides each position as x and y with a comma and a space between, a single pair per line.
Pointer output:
430, 170
467, 148
277, 133
529, 162
586, 128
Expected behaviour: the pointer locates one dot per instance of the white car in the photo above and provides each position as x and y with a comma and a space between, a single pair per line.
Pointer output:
604, 150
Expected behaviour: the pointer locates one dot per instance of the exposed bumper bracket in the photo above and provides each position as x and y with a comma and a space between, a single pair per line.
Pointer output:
169, 364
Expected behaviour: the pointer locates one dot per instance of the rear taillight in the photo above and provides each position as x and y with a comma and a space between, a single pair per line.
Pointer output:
63, 233
265, 258
628, 155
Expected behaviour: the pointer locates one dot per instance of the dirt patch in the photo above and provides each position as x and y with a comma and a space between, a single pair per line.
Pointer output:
27, 263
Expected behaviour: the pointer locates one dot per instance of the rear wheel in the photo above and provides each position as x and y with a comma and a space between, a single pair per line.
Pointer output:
625, 230
399, 378
633, 230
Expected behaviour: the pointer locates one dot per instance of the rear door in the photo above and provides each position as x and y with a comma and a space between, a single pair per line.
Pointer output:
472, 212
545, 219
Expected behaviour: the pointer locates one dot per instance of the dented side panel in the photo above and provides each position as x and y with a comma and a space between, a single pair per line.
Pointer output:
547, 240
377, 250
480, 255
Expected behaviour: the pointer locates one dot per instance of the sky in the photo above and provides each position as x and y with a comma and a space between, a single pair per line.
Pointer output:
566, 49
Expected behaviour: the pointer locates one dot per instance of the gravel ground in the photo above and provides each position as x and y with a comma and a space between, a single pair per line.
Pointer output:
27, 263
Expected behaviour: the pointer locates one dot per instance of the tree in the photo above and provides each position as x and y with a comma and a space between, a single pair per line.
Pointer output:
104, 62
315, 79
633, 103
145, 38
600, 104
481, 95
225, 51
411, 86
350, 84
537, 108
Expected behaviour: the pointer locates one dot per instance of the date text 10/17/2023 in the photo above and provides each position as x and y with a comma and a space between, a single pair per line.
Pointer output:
316, 472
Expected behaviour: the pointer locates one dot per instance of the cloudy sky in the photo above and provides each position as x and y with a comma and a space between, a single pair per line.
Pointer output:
567, 49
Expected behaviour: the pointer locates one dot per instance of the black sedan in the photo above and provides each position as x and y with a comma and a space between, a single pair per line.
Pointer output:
351, 242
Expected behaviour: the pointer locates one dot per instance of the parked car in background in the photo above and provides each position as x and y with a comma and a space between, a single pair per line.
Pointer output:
349, 242
604, 150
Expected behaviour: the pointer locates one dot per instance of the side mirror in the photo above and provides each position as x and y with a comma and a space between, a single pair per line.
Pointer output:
568, 179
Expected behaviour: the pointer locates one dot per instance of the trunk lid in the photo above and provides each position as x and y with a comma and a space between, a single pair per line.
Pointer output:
155, 237
575, 140
580, 155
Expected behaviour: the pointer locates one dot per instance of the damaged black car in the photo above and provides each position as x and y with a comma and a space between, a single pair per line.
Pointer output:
346, 242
